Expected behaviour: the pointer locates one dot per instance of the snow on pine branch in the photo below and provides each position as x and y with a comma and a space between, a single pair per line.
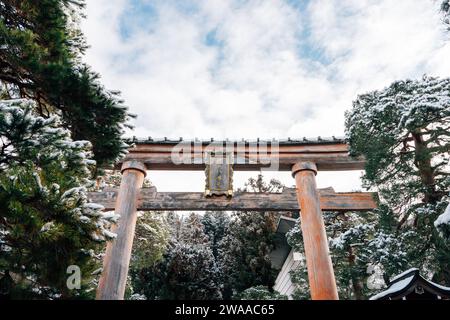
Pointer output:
25, 135
346, 238
445, 8
43, 148
442, 223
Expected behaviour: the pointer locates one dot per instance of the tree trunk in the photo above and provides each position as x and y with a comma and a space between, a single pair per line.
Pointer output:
422, 159
356, 283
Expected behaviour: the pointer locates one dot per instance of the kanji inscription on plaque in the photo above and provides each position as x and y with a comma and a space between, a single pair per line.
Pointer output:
219, 174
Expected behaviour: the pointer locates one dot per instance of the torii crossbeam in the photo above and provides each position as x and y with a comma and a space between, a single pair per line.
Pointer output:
151, 200
302, 157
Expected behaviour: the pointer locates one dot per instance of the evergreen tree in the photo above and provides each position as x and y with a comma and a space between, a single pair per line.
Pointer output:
445, 9
350, 236
357, 244
261, 293
49, 148
151, 239
175, 223
40, 59
193, 231
151, 242
187, 270
192, 273
46, 221
152, 232
442, 223
216, 224
403, 132
244, 251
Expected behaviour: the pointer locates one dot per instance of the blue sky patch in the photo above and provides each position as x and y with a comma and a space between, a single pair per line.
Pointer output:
138, 14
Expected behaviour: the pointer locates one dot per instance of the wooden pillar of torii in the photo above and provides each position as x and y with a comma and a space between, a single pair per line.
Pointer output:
318, 261
311, 201
118, 252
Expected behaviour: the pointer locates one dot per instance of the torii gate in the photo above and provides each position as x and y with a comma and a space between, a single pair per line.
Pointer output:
302, 157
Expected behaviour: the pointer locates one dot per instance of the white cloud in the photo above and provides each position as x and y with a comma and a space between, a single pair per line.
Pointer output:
279, 71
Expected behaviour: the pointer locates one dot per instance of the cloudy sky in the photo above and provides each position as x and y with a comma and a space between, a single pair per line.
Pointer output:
269, 69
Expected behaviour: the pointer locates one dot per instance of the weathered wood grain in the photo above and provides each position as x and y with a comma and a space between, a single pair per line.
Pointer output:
327, 157
150, 199
118, 251
322, 282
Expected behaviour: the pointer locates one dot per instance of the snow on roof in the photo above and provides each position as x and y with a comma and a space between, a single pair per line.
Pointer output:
440, 286
395, 287
405, 279
401, 275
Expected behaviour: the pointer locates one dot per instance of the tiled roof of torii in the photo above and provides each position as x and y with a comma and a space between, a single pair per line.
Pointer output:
329, 154
287, 141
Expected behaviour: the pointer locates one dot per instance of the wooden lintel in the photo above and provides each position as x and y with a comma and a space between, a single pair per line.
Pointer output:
150, 199
327, 157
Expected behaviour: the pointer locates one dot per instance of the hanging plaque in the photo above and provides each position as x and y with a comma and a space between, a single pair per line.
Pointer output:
219, 174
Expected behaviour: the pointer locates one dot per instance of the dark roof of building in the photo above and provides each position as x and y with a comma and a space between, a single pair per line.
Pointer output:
287, 141
282, 248
411, 285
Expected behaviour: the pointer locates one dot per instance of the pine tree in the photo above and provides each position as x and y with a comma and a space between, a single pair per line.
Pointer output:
46, 221
40, 59
151, 242
152, 231
244, 251
442, 223
350, 235
188, 269
215, 224
151, 239
445, 9
175, 223
50, 148
192, 273
261, 293
358, 242
403, 132
193, 231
